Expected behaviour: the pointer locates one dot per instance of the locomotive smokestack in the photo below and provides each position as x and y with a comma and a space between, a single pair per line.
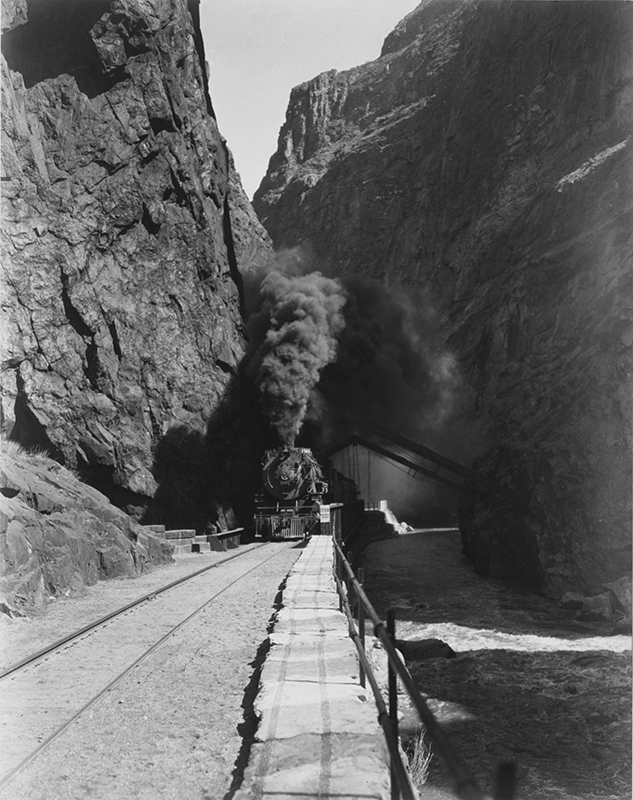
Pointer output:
305, 318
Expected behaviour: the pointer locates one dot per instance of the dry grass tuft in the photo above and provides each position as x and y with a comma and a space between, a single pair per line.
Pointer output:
17, 453
420, 760
10, 449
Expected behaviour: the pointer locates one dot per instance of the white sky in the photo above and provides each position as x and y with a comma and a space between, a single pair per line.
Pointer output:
259, 49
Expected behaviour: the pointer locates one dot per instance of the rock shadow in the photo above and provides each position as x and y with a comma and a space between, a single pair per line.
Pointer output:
56, 41
250, 722
207, 479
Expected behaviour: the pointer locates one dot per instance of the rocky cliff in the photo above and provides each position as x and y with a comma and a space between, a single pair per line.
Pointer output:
59, 535
125, 227
485, 159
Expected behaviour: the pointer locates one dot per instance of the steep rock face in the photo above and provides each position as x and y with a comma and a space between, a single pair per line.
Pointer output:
251, 242
486, 157
57, 534
121, 298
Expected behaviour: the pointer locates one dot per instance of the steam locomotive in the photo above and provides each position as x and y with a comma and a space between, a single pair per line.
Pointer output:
291, 502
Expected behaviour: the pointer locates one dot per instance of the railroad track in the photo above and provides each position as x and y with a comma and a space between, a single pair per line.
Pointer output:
43, 694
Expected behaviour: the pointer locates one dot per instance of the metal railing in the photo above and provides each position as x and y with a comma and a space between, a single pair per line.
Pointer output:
346, 519
464, 785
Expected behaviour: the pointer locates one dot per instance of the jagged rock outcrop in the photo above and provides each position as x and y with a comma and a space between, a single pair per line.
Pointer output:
251, 242
486, 157
123, 226
59, 535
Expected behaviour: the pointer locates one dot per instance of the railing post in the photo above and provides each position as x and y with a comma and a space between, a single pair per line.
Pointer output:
505, 782
348, 556
393, 696
361, 624
337, 573
464, 784
346, 580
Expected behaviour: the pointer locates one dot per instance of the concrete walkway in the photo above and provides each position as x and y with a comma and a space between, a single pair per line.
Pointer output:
318, 735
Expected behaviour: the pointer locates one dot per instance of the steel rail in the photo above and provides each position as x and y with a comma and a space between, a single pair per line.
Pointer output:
402, 776
117, 612
43, 745
465, 785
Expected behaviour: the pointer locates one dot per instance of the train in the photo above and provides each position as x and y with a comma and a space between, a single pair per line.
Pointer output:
293, 502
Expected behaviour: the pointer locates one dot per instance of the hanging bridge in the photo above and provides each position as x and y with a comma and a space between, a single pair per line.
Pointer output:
423, 461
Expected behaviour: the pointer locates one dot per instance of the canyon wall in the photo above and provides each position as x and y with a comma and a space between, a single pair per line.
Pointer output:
124, 230
485, 160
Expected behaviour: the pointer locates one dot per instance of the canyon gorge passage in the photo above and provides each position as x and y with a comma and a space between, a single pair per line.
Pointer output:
441, 246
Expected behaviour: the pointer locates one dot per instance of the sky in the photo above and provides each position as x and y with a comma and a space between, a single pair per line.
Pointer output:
258, 50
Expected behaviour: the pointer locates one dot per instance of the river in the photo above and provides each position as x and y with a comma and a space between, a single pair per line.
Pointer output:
528, 683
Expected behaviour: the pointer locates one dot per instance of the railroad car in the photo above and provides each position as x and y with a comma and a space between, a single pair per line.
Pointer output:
290, 504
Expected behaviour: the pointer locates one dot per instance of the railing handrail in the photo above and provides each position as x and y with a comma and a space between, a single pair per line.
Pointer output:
404, 781
465, 785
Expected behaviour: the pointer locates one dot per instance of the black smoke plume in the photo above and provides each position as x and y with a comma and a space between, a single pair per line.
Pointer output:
295, 331
392, 369
386, 365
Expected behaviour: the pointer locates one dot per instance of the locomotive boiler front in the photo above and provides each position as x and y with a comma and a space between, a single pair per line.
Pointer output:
292, 491
292, 474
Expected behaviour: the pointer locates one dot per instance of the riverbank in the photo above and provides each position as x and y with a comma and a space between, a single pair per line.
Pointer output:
527, 684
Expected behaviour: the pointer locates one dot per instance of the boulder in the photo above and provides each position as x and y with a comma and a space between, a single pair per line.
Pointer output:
596, 609
58, 535
614, 605
620, 596
573, 600
423, 649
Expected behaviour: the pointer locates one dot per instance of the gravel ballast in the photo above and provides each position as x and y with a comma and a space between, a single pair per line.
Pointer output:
174, 727
45, 625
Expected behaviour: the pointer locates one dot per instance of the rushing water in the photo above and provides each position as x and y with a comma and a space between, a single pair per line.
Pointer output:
528, 683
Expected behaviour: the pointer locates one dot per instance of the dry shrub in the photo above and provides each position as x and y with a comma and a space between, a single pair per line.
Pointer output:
11, 449
420, 759
34, 456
